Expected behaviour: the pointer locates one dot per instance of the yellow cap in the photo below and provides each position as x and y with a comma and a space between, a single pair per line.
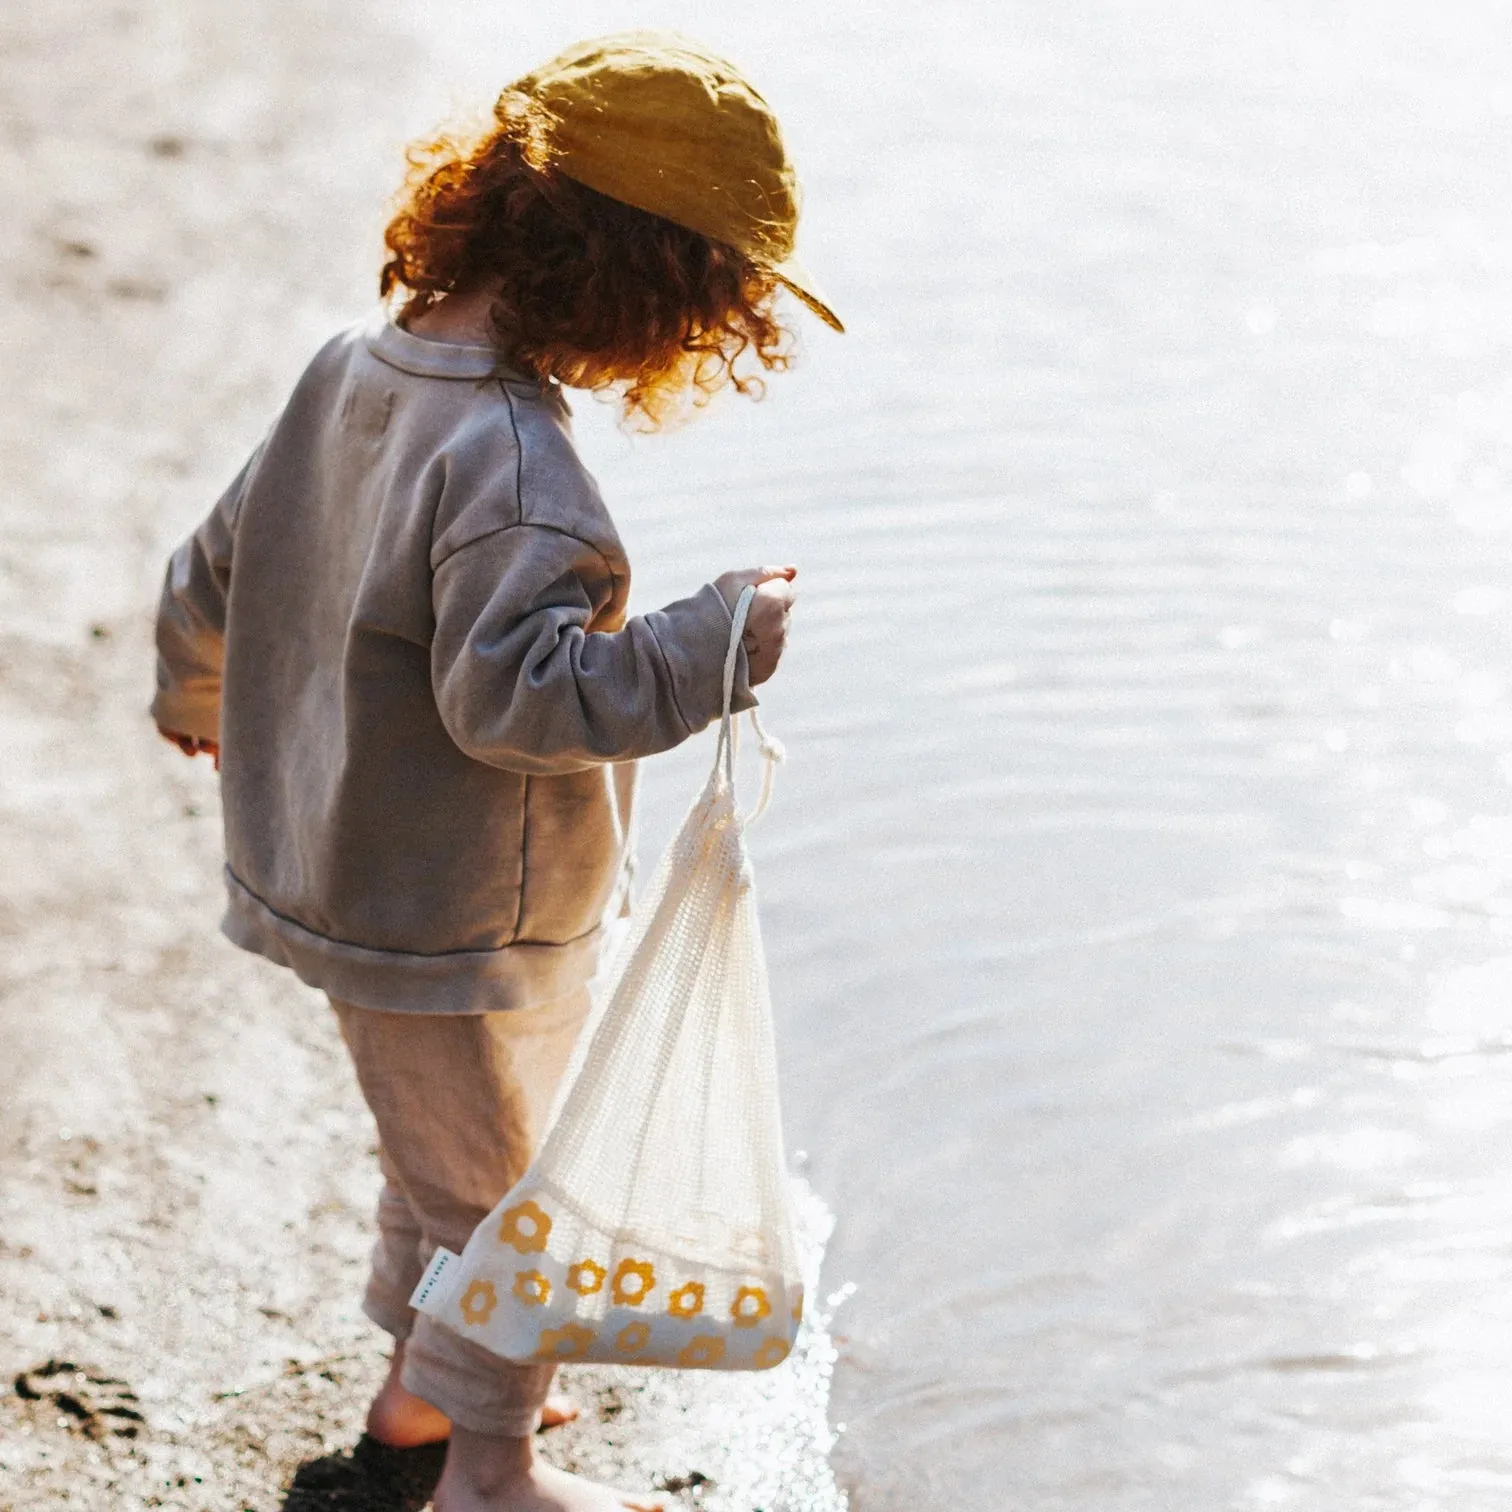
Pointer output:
653, 120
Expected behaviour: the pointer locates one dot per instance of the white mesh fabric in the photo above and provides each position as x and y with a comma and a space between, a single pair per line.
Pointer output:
654, 1226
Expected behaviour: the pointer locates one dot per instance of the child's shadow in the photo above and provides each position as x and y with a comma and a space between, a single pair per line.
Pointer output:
368, 1478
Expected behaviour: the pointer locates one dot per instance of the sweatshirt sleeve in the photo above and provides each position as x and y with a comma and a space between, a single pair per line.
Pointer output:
191, 622
520, 681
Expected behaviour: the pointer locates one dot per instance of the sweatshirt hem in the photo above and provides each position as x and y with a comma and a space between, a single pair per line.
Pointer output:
395, 981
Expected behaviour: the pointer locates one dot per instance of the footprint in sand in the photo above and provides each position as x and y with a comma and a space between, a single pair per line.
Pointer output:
101, 1406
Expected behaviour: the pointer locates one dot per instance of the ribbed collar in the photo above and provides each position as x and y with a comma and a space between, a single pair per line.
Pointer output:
431, 359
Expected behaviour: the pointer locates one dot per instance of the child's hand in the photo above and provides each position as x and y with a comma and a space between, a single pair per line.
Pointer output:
192, 745
766, 624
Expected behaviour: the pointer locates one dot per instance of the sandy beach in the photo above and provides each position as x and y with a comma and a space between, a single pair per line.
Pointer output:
186, 1166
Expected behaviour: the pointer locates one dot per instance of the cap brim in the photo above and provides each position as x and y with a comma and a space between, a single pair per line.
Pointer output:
796, 277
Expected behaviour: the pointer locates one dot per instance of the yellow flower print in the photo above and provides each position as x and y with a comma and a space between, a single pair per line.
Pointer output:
686, 1301
586, 1277
525, 1227
798, 1306
772, 1352
633, 1337
478, 1302
634, 1281
705, 1350
532, 1288
749, 1307
569, 1342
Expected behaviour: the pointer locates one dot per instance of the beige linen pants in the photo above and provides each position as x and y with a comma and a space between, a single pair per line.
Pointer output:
460, 1101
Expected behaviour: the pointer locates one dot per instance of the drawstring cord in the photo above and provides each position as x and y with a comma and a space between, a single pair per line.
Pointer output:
771, 749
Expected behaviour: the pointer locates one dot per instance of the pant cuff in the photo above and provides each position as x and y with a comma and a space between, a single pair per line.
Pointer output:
477, 1390
389, 1313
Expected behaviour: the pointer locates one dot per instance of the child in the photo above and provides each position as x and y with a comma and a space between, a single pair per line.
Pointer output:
401, 633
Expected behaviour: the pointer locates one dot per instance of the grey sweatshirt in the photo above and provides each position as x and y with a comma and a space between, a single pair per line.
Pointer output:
404, 623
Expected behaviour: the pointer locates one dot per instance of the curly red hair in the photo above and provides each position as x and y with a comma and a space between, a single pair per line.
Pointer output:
589, 291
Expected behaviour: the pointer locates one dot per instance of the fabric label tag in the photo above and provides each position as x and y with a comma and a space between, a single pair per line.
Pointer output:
430, 1282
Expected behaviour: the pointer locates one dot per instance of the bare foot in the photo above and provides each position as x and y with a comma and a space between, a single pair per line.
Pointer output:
401, 1420
485, 1474
557, 1409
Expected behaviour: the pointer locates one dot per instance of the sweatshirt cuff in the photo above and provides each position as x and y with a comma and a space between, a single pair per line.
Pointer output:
693, 635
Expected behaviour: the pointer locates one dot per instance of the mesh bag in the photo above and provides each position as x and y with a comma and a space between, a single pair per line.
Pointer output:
654, 1226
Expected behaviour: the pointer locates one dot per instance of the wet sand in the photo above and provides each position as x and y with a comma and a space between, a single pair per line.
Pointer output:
185, 1168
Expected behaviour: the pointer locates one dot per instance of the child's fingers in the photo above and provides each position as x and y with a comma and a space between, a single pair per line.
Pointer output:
776, 594
193, 745
731, 584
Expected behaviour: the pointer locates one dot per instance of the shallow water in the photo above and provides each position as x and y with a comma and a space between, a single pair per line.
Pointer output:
1139, 891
